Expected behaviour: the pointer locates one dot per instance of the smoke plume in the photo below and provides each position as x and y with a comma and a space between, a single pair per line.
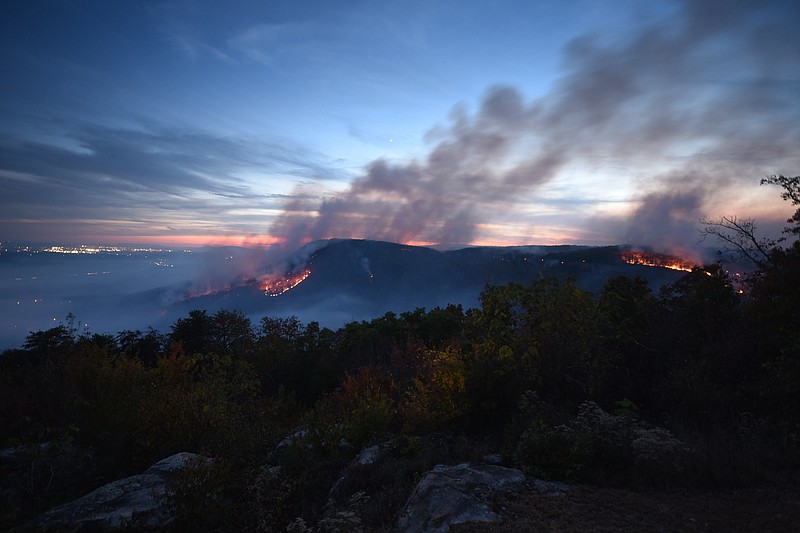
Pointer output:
691, 107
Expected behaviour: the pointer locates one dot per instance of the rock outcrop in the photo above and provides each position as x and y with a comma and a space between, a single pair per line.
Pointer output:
450, 495
137, 499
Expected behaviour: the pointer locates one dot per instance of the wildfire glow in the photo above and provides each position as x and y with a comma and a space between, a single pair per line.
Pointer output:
280, 285
198, 292
657, 260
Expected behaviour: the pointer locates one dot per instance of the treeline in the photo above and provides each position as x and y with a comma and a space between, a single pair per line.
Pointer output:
697, 384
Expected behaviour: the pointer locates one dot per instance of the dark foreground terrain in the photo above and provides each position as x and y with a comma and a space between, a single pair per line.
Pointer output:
600, 510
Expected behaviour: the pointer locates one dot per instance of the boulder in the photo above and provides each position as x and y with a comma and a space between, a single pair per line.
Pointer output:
136, 499
363, 461
374, 453
450, 495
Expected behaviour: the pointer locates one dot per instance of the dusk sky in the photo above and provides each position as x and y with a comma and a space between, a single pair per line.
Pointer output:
456, 122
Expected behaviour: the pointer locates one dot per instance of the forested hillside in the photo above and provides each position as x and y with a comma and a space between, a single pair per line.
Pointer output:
697, 385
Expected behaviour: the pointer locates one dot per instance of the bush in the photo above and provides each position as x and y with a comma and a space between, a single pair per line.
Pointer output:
602, 448
436, 399
368, 403
553, 452
200, 498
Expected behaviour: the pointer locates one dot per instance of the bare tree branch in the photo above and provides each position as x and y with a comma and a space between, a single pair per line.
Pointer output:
739, 239
791, 186
739, 235
791, 192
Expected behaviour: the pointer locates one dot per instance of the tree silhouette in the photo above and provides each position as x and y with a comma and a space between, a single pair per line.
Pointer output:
740, 236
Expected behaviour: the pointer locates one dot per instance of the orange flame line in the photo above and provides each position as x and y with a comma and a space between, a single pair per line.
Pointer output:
276, 287
657, 260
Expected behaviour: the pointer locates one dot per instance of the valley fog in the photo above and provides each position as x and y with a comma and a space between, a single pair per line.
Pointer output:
341, 281
106, 293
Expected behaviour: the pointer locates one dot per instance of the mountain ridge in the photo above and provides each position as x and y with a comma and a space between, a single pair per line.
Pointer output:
359, 279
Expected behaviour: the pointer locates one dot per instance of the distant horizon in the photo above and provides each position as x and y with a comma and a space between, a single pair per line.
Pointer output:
697, 254
201, 241
237, 243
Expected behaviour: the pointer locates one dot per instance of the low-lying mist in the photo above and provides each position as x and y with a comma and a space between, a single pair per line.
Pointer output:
347, 280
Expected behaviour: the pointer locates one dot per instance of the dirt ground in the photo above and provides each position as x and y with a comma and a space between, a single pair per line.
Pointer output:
591, 509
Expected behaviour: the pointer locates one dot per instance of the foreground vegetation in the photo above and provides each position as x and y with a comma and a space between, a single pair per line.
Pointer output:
696, 385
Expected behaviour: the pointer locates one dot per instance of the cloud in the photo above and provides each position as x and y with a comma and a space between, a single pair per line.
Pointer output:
180, 25
145, 179
193, 47
267, 43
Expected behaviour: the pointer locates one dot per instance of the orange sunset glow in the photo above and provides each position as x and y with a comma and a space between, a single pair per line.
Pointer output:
190, 241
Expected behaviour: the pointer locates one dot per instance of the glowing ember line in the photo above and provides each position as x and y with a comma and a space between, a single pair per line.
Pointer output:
657, 260
276, 287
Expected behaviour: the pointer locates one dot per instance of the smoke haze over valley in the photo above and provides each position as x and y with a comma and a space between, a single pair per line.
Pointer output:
348, 280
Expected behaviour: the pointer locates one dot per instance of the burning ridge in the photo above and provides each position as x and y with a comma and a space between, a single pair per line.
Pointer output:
657, 260
275, 286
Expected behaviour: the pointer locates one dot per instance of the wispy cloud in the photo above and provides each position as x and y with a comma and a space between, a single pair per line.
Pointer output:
267, 43
193, 47
180, 25
157, 173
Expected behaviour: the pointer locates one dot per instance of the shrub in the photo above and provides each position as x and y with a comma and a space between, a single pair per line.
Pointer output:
200, 498
599, 447
368, 404
553, 452
323, 434
436, 399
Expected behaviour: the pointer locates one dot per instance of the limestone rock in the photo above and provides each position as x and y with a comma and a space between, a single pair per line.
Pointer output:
372, 454
450, 495
120, 502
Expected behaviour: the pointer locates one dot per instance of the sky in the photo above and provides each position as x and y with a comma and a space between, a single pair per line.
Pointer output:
504, 122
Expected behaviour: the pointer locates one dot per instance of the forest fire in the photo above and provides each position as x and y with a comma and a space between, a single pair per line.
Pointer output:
208, 290
280, 285
657, 260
